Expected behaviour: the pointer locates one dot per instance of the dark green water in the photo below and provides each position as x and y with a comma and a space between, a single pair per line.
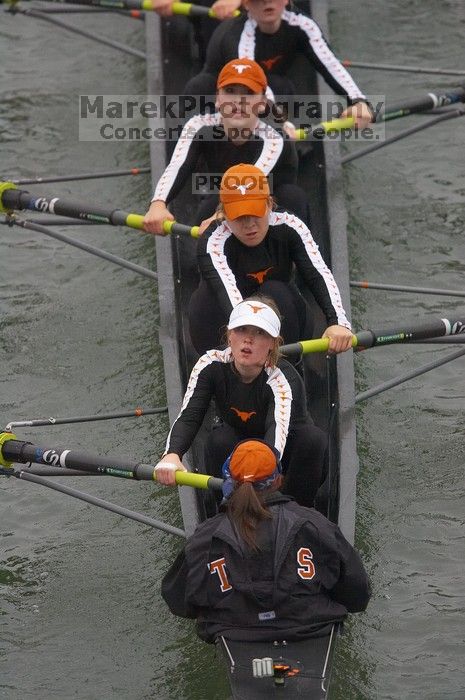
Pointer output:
81, 614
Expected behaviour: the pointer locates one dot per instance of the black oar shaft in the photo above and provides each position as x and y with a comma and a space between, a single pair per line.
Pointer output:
22, 452
14, 199
420, 104
413, 331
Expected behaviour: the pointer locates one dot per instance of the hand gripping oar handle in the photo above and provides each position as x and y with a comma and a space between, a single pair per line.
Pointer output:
18, 451
12, 198
187, 8
323, 128
178, 8
369, 339
180, 229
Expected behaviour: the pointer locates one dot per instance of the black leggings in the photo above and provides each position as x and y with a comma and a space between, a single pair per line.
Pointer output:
302, 460
207, 320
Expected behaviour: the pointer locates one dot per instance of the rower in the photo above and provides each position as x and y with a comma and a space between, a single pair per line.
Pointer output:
233, 134
265, 568
252, 248
257, 394
274, 36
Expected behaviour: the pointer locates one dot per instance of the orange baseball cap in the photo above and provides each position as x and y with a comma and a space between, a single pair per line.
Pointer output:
243, 71
252, 460
244, 191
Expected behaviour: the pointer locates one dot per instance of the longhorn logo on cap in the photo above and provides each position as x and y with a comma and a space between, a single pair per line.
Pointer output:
240, 67
242, 188
256, 309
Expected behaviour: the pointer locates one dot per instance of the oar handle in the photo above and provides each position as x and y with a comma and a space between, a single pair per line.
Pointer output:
198, 481
305, 347
180, 229
190, 10
326, 128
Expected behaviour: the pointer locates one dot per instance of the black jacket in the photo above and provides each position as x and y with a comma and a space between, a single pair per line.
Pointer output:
268, 408
304, 577
234, 271
297, 35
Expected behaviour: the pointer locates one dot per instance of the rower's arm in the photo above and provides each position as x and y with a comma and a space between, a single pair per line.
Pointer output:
327, 64
182, 164
195, 404
215, 270
316, 274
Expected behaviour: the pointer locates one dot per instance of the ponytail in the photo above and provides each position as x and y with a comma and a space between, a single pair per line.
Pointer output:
247, 509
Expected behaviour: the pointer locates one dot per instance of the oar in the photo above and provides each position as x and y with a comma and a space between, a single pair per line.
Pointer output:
328, 127
420, 104
401, 69
363, 340
400, 109
18, 451
82, 176
364, 284
187, 8
178, 8
26, 475
36, 422
12, 198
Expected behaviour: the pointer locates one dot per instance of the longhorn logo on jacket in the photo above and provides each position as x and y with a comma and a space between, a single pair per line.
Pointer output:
270, 62
259, 275
243, 415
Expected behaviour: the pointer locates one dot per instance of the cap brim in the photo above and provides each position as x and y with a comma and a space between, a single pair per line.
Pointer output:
246, 207
254, 320
257, 88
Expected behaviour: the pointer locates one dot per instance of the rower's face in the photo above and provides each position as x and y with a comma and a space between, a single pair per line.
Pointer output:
250, 230
240, 109
267, 13
250, 346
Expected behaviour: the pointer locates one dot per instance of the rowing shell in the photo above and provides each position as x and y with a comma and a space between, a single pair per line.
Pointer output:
300, 669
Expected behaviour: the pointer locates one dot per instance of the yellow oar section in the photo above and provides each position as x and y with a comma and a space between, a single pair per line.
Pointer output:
326, 127
188, 9
307, 346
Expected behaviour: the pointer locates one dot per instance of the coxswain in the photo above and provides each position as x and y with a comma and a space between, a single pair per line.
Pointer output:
264, 568
253, 248
233, 134
257, 394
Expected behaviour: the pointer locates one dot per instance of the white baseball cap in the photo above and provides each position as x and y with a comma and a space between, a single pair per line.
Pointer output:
255, 313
